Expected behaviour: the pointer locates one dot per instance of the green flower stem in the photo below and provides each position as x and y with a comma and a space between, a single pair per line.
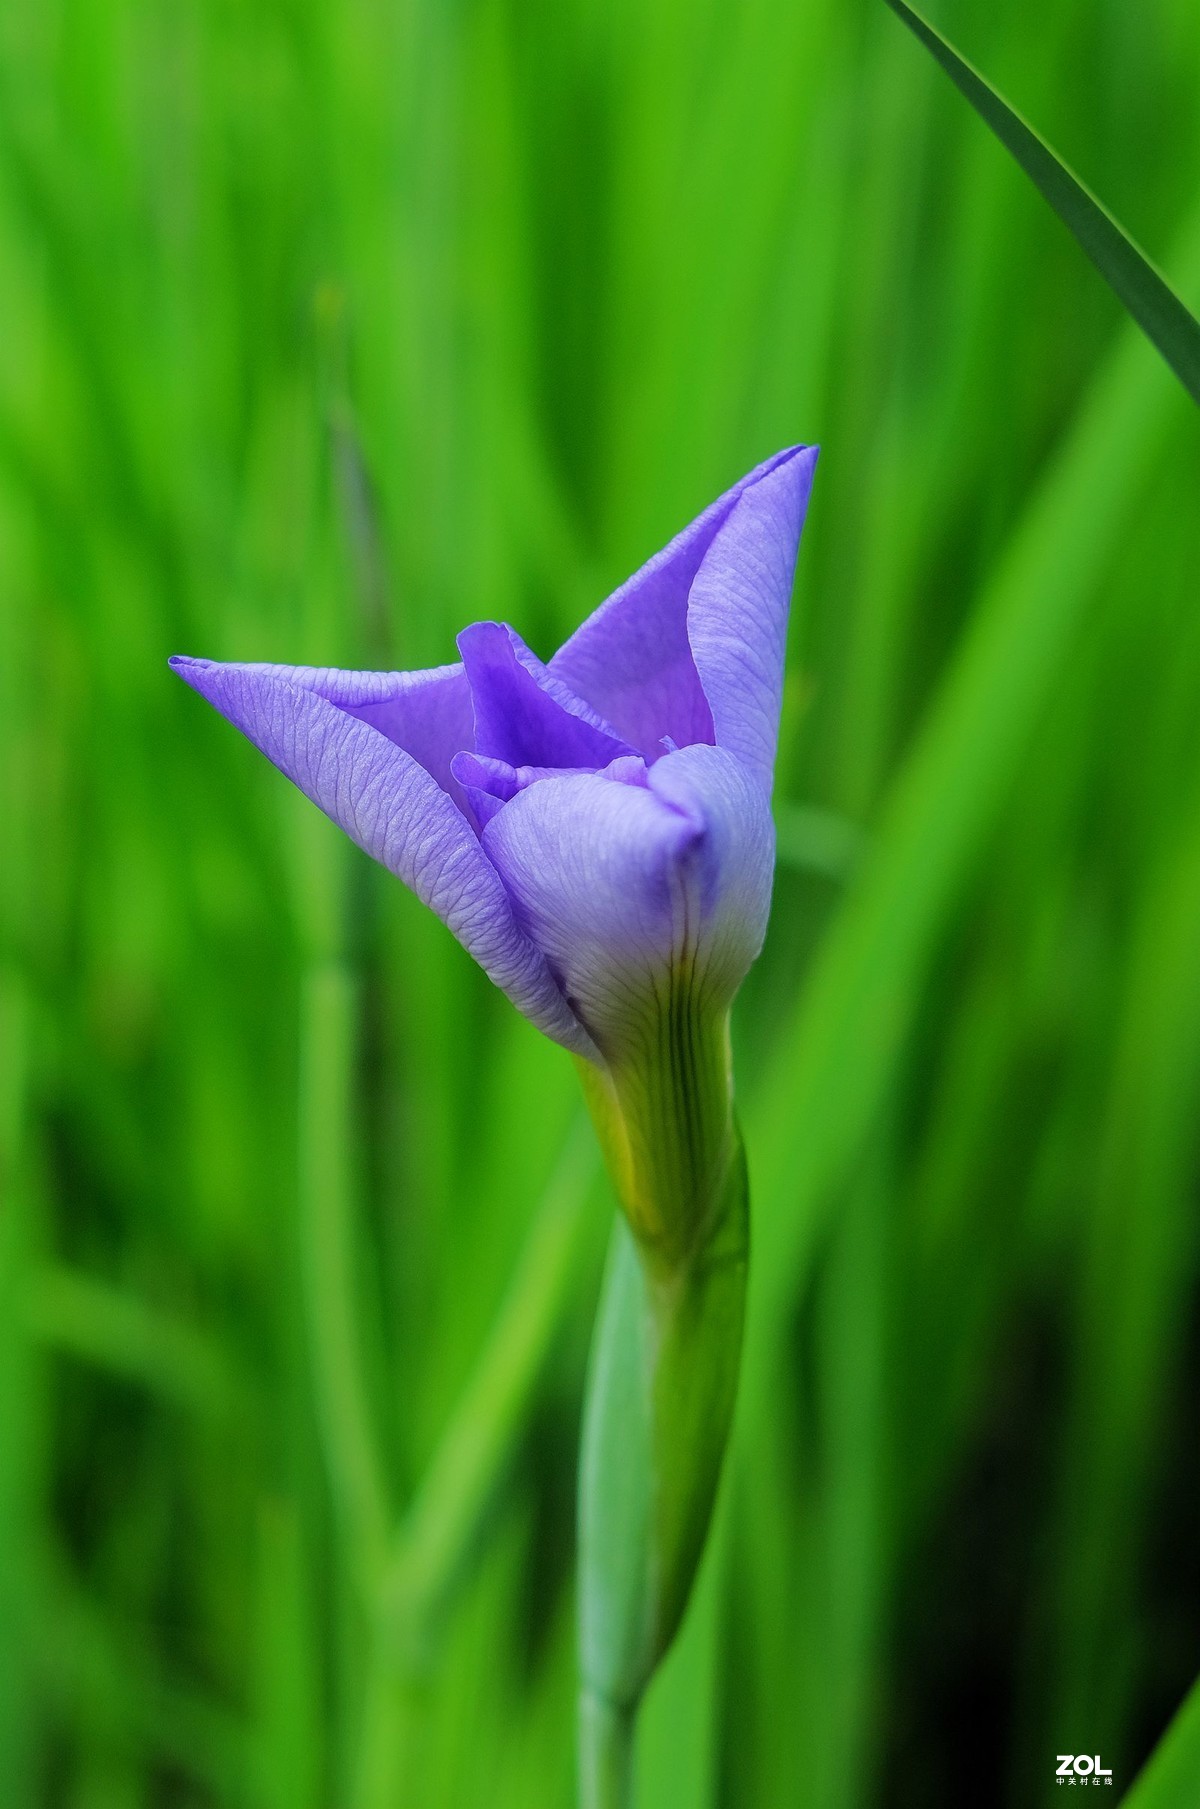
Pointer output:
605, 1753
663, 1376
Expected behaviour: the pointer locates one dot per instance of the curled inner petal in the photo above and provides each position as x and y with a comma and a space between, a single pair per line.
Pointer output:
525, 716
622, 885
489, 784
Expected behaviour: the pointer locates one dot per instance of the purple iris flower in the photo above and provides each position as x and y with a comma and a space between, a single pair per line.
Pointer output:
594, 831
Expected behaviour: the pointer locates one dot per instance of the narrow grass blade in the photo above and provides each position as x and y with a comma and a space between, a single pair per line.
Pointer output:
436, 1535
88, 1319
18, 1440
288, 1735
429, 1552
1168, 1780
327, 1188
1128, 271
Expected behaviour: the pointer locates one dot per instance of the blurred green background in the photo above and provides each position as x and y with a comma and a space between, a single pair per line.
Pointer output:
323, 331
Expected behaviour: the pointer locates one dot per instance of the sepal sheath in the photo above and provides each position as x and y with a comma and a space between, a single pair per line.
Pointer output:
661, 1391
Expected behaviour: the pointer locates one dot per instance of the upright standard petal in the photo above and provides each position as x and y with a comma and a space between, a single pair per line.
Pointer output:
738, 609
394, 808
633, 659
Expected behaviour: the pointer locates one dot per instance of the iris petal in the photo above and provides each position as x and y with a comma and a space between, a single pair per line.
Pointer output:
620, 885
738, 609
633, 659
389, 804
489, 784
524, 715
428, 713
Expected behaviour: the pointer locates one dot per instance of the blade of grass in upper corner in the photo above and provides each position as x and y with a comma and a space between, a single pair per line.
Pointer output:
1127, 271
1168, 1780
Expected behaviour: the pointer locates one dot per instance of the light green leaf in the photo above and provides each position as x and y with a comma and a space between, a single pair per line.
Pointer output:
1128, 271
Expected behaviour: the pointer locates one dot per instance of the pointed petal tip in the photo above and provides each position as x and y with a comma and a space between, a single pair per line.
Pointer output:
790, 475
802, 458
739, 602
190, 669
793, 466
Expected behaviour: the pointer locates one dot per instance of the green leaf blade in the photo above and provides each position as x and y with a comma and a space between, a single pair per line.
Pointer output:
1129, 273
1168, 1780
